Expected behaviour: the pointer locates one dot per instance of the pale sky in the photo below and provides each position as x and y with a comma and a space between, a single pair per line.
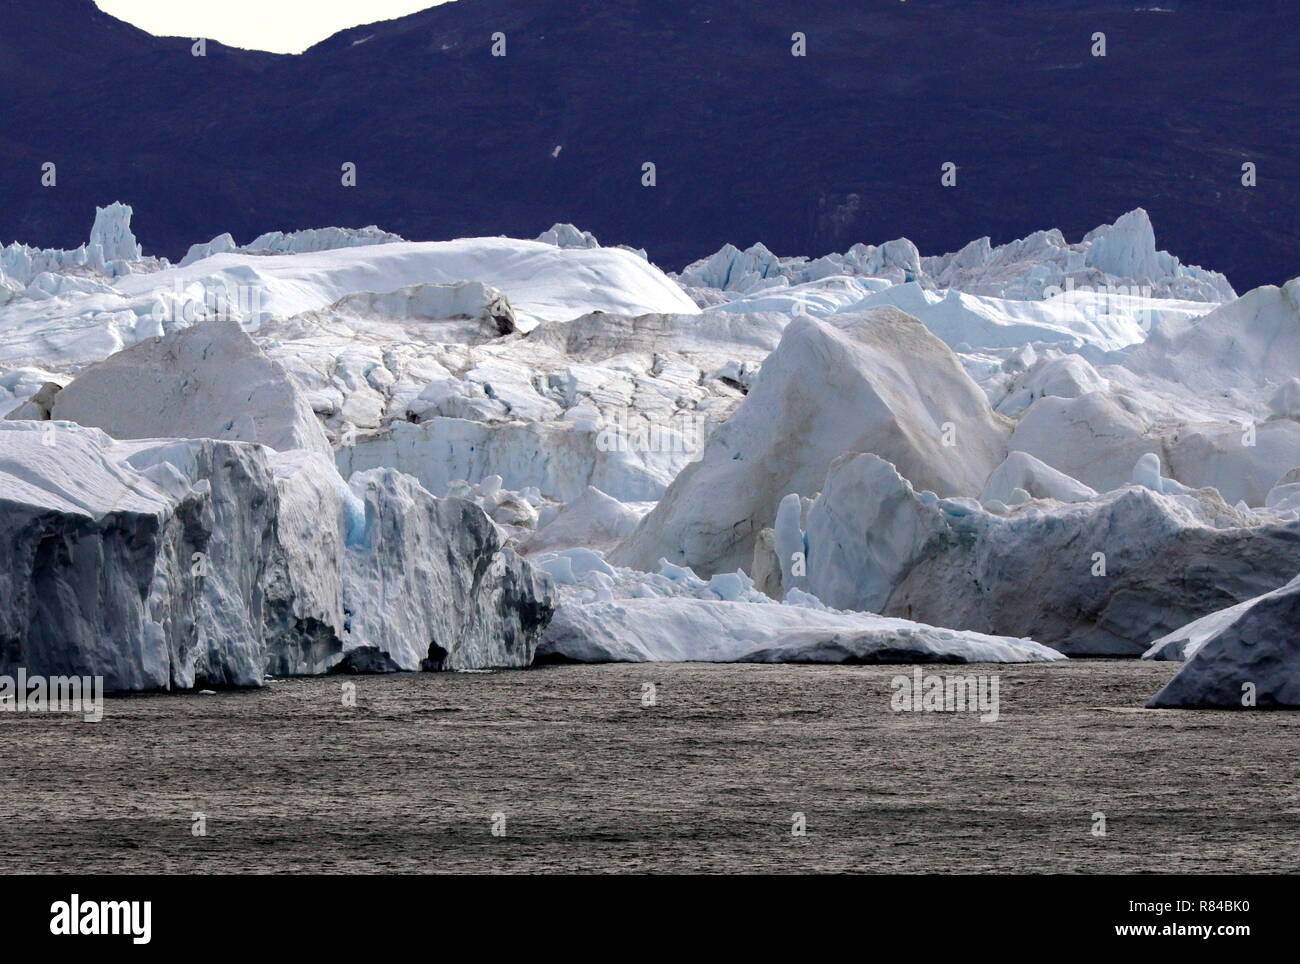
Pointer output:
284, 26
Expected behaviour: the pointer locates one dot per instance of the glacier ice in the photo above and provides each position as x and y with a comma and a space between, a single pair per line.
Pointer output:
1024, 473
1118, 255
877, 382
904, 451
295, 242
111, 238
162, 564
206, 381
110, 252
593, 520
1243, 657
611, 614
1104, 576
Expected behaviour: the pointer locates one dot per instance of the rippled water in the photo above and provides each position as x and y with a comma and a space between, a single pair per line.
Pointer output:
583, 777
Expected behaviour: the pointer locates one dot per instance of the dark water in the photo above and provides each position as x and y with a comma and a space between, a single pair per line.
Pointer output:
709, 779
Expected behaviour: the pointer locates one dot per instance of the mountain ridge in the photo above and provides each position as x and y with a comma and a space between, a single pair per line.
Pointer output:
807, 155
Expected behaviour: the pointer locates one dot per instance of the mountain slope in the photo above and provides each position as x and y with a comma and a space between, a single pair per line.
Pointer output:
806, 154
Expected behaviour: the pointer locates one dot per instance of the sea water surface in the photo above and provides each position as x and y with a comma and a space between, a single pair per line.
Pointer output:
655, 768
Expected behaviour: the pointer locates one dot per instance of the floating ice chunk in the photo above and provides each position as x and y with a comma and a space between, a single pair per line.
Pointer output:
38, 407
1243, 657
1284, 496
221, 244
1285, 402
877, 382
1104, 576
789, 543
1147, 473
320, 239
587, 560
559, 568
676, 573
712, 630
193, 562
1126, 249
797, 597
1183, 642
1248, 345
594, 520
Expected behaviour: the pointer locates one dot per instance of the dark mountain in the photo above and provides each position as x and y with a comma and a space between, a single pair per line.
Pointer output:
806, 154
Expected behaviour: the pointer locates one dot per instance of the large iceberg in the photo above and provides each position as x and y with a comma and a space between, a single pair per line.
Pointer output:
162, 564
875, 382
1101, 576
541, 280
332, 448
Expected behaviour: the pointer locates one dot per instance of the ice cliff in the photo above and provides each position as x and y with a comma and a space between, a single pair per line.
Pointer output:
167, 564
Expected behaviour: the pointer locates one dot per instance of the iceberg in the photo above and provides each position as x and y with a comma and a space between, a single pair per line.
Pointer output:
1105, 576
206, 381
874, 382
180, 564
1244, 657
337, 450
611, 614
